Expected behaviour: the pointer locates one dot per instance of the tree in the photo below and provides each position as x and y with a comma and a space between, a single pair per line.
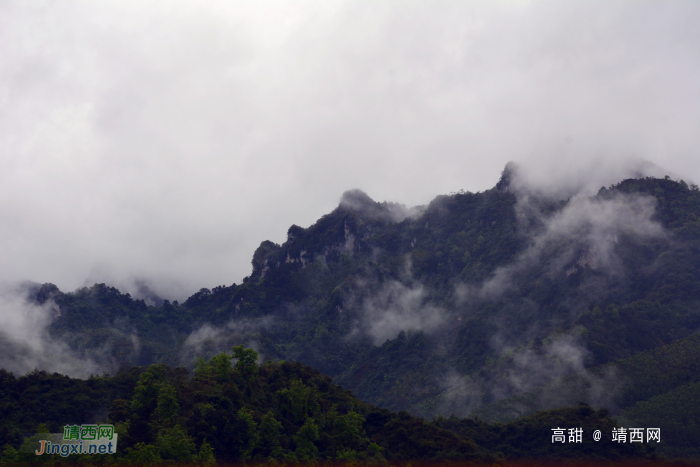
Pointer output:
304, 439
147, 389
247, 360
252, 432
119, 411
10, 455
205, 455
168, 405
221, 365
297, 401
348, 428
269, 436
174, 444
143, 454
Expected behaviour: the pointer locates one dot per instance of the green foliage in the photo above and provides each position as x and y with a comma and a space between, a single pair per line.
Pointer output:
270, 433
304, 440
143, 454
146, 393
219, 366
10, 456
347, 456
246, 360
216, 422
252, 433
347, 429
119, 411
56, 400
174, 444
168, 405
205, 455
222, 366
296, 401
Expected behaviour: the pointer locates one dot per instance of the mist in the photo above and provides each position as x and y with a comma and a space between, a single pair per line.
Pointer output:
159, 143
397, 307
580, 236
208, 340
25, 343
565, 170
531, 379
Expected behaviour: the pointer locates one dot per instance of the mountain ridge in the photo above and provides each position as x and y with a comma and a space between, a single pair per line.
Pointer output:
476, 298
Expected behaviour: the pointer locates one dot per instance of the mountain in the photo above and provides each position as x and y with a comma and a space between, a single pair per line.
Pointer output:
451, 308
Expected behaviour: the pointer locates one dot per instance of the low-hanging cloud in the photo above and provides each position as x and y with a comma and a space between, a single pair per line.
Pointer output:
581, 235
550, 376
397, 307
208, 340
25, 343
358, 201
564, 169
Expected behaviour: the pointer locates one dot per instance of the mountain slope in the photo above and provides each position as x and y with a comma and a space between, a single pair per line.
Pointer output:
275, 412
441, 309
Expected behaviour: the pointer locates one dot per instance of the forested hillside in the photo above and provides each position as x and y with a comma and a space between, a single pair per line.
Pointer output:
274, 412
476, 300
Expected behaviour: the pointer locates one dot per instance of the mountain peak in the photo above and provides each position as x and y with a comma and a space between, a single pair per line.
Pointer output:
509, 173
359, 202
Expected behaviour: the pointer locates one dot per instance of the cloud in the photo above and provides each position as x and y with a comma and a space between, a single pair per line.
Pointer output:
394, 307
209, 340
358, 201
564, 169
533, 378
164, 141
581, 235
25, 343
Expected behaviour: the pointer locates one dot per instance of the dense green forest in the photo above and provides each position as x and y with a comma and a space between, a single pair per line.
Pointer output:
499, 304
274, 412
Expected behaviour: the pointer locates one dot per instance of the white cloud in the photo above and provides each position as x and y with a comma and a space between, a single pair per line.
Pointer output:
396, 307
25, 343
164, 140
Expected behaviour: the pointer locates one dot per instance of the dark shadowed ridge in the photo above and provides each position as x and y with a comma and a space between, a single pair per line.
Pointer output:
345, 230
360, 203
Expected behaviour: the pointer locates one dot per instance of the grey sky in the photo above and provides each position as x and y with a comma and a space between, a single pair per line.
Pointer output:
165, 140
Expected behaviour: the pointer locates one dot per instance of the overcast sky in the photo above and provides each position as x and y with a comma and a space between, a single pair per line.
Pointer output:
165, 140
